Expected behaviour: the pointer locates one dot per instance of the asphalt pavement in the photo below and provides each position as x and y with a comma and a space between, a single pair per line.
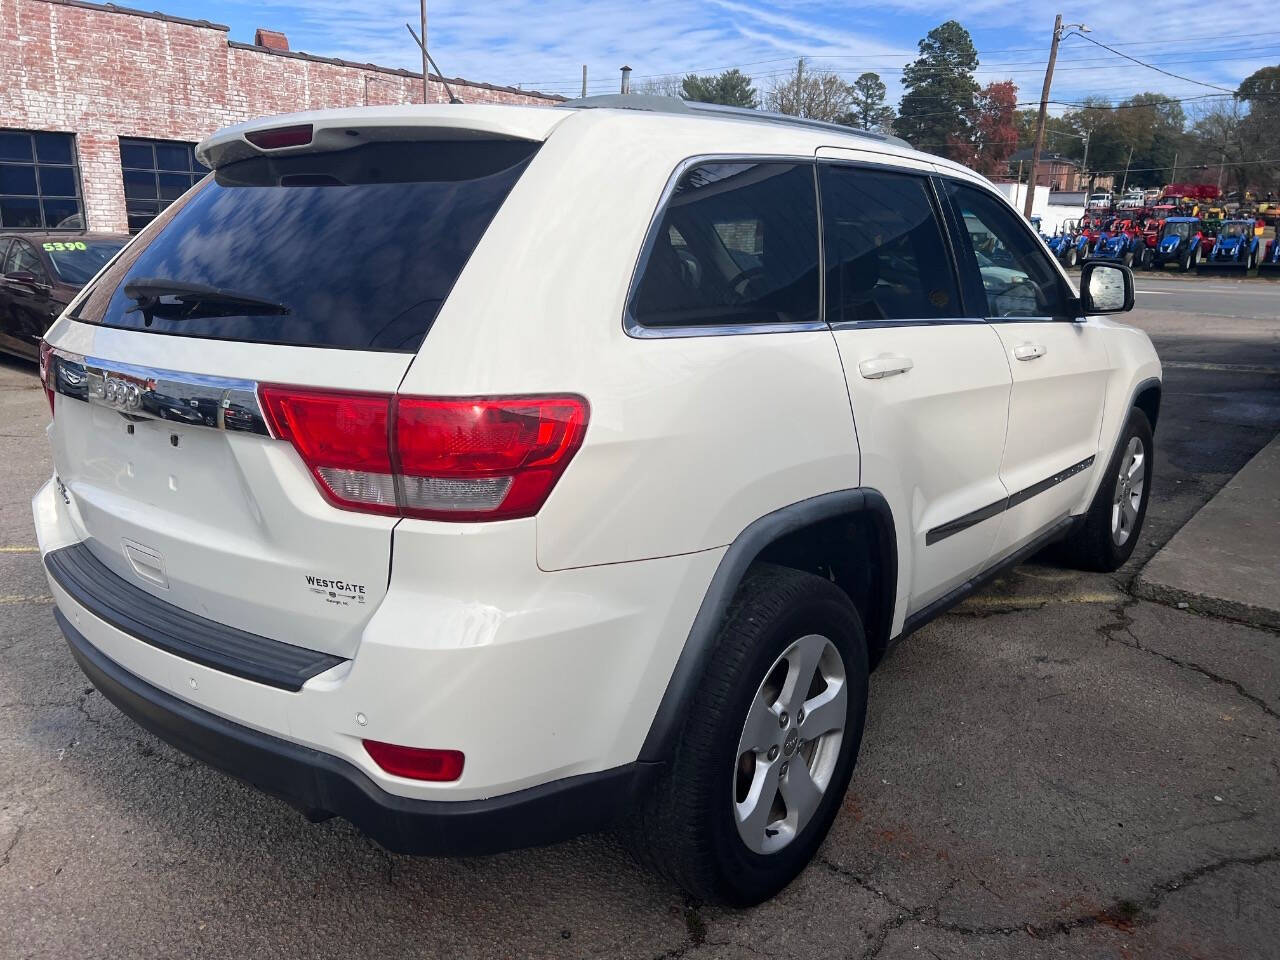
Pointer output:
1056, 769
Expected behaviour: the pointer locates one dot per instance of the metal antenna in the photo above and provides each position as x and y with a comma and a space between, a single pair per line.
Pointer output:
447, 89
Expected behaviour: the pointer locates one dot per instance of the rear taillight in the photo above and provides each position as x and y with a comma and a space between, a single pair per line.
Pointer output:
46, 372
436, 458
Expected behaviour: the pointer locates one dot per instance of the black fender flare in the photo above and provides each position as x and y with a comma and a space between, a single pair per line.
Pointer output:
659, 743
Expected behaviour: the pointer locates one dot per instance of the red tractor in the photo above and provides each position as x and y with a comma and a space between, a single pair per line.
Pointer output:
1091, 227
1151, 226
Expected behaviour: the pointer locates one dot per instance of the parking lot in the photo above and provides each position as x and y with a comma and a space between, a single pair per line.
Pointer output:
1056, 769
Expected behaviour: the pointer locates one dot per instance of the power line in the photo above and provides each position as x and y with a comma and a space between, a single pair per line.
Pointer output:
1257, 37
1151, 66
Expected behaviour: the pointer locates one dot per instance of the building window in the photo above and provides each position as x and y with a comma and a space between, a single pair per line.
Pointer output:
156, 173
39, 182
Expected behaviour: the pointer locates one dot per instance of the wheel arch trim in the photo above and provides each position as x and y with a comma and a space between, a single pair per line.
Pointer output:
659, 743
1145, 387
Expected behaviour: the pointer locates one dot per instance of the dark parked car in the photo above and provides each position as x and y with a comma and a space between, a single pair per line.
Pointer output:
39, 274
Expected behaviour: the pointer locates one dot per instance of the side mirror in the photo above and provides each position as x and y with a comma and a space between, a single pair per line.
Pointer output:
1105, 287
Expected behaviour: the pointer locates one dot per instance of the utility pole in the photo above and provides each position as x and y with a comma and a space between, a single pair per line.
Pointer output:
584, 79
1058, 31
1125, 182
426, 60
431, 60
1084, 164
1173, 174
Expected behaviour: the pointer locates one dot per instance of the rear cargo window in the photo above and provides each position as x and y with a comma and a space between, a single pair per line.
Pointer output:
736, 245
354, 249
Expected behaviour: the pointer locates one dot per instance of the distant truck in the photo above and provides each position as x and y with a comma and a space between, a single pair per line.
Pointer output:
1099, 201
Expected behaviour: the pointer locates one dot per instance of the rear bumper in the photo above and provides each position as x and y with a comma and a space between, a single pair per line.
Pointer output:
321, 785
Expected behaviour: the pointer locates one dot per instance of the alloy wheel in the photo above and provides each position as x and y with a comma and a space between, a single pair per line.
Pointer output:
1128, 493
790, 744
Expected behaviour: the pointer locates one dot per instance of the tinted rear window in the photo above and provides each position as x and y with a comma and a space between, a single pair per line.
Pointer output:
737, 244
358, 248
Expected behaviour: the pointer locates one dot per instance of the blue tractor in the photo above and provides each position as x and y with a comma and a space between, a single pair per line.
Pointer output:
1271, 261
1236, 247
1121, 241
1068, 245
1178, 243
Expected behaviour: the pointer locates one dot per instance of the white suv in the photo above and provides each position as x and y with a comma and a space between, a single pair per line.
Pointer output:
487, 475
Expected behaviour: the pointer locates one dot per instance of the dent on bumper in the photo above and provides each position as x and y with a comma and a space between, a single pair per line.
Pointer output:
321, 785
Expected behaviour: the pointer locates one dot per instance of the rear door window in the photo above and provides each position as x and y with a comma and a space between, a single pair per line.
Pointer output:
354, 249
23, 256
737, 245
885, 254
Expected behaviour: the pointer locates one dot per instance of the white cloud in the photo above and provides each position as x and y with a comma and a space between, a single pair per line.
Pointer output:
543, 45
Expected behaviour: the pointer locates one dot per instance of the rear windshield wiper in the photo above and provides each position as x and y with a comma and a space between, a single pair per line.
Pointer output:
150, 296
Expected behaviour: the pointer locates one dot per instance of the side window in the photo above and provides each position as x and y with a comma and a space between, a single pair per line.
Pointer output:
24, 257
736, 244
885, 255
1017, 276
5, 248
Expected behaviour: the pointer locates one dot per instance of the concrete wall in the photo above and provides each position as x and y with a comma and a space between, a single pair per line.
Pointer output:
107, 72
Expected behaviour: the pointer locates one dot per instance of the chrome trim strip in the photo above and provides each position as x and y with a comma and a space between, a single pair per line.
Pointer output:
140, 392
959, 524
880, 324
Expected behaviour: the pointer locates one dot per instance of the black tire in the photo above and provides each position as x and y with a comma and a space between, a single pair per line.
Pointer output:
686, 829
1092, 544
1127, 259
1072, 256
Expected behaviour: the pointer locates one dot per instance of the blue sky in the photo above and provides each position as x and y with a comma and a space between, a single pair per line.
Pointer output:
543, 45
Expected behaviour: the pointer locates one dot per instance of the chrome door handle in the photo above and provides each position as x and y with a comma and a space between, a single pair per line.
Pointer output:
1028, 351
877, 368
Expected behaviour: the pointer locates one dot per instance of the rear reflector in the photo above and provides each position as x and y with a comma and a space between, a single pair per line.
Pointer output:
416, 763
298, 135
435, 458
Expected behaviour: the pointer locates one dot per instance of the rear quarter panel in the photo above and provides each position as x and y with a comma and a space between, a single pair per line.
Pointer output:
690, 439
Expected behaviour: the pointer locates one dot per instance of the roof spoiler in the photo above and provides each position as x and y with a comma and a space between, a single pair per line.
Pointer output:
325, 131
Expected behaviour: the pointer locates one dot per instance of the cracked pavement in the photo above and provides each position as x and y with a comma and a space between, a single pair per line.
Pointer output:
1056, 769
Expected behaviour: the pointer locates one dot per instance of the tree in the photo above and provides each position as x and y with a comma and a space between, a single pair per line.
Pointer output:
1219, 135
1145, 132
667, 86
995, 127
814, 95
732, 88
940, 89
1061, 135
1260, 129
869, 112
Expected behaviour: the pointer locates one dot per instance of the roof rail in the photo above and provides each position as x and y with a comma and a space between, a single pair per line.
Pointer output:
656, 104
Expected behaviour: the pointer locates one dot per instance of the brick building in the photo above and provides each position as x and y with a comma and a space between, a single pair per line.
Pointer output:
1053, 171
100, 105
